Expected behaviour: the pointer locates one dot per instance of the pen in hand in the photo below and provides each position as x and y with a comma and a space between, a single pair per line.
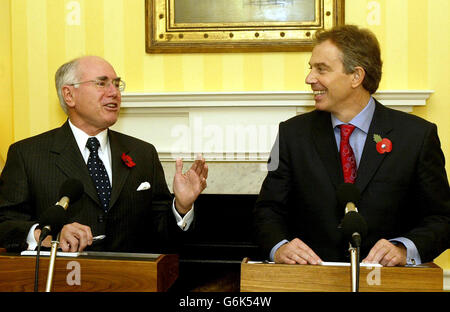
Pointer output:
98, 238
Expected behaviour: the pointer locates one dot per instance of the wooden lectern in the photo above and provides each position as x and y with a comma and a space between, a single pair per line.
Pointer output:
264, 277
93, 272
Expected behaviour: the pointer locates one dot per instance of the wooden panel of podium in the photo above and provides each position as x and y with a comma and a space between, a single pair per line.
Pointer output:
105, 273
264, 277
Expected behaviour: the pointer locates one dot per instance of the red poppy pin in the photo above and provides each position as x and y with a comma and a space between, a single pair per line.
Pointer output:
383, 145
127, 160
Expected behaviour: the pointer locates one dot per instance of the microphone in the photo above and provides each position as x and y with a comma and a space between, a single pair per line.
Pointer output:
55, 217
354, 226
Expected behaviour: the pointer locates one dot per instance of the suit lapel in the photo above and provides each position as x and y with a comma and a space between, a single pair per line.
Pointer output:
71, 162
120, 171
325, 143
370, 158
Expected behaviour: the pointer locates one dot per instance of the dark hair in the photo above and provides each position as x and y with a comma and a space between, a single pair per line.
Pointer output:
359, 47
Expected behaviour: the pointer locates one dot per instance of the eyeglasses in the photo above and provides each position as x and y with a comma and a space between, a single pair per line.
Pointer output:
105, 83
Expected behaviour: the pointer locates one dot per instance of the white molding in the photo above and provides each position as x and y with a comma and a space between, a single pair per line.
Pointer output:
400, 99
223, 157
153, 116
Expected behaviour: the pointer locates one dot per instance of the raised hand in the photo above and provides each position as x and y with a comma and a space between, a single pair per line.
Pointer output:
187, 186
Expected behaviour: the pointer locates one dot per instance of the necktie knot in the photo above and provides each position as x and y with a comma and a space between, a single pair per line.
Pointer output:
346, 131
92, 144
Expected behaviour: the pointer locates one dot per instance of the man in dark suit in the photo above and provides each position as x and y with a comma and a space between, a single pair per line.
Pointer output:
394, 159
137, 214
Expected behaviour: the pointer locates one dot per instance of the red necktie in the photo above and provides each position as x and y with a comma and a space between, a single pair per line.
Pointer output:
348, 160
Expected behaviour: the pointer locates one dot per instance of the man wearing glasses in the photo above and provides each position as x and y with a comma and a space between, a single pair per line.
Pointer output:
126, 199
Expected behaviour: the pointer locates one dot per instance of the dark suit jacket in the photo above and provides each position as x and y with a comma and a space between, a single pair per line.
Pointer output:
403, 193
36, 168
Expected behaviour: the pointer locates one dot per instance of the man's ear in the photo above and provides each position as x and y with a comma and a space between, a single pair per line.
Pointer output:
67, 94
358, 76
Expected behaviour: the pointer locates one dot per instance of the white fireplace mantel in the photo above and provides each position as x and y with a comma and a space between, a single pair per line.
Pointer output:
188, 123
400, 99
234, 131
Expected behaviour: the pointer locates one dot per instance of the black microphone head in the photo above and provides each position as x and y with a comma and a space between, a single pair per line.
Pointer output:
55, 217
346, 193
71, 188
352, 223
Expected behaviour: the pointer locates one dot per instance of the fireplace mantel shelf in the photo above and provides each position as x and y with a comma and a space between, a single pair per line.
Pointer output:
405, 99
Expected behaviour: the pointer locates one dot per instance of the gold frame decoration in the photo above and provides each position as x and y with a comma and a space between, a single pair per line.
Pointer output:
172, 26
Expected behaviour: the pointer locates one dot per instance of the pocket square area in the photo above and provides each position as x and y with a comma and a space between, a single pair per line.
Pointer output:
144, 186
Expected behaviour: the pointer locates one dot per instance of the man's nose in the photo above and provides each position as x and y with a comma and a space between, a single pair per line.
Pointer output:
310, 78
111, 90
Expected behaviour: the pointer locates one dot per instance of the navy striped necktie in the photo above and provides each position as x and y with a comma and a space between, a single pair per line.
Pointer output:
98, 173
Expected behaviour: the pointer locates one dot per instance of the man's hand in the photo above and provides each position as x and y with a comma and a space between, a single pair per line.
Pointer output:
295, 252
387, 254
47, 242
75, 237
189, 185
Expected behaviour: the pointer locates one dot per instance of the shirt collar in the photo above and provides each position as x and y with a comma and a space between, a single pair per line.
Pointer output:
362, 120
81, 137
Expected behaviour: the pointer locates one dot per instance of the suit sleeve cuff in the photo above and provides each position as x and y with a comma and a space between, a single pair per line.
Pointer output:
183, 222
412, 254
275, 248
31, 241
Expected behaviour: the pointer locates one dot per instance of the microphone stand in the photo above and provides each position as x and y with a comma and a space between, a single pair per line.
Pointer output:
51, 265
354, 260
355, 265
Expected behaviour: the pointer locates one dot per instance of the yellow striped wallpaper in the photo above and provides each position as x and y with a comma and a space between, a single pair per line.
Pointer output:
39, 35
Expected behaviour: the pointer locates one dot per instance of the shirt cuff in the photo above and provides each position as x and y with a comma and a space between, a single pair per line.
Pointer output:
31, 241
275, 248
412, 254
183, 222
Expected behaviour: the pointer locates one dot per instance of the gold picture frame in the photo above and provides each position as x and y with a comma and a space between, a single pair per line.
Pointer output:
237, 25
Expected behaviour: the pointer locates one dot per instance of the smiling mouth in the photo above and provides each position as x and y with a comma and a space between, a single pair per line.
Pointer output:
112, 105
319, 95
